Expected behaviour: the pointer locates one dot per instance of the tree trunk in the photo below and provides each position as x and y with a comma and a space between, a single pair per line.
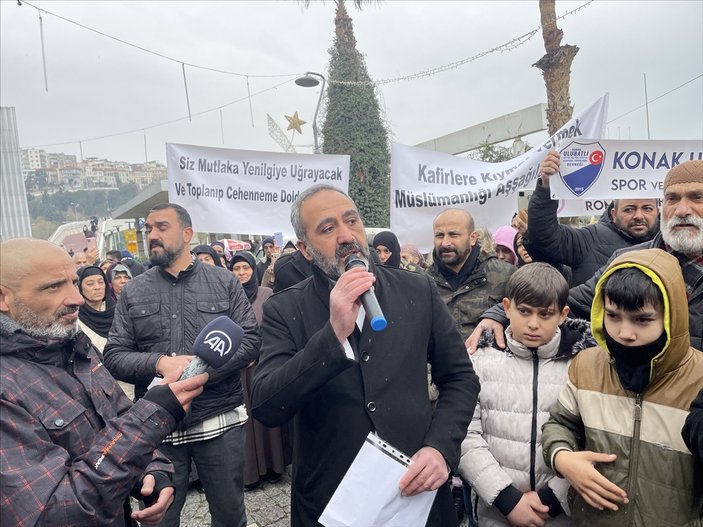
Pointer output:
556, 68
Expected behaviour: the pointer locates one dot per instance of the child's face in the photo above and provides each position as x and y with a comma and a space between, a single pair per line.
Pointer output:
533, 326
633, 328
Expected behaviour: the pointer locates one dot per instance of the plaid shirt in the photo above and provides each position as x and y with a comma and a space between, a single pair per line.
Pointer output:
73, 446
210, 428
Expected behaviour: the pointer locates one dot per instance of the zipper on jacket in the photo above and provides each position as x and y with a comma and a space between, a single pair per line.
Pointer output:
533, 435
634, 453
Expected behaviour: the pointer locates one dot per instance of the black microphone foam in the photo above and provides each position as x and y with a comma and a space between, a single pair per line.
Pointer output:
216, 343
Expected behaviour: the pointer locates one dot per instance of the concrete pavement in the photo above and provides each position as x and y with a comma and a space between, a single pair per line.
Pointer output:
267, 506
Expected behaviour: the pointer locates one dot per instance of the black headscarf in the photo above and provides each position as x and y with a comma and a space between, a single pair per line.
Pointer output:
390, 242
251, 287
98, 321
206, 249
219, 244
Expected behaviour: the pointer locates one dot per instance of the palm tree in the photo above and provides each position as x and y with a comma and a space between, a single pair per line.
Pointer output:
556, 68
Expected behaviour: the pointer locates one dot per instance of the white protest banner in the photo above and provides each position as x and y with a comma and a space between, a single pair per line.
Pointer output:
613, 169
423, 183
244, 191
584, 207
581, 207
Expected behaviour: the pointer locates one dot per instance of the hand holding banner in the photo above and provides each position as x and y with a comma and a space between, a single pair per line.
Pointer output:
612, 169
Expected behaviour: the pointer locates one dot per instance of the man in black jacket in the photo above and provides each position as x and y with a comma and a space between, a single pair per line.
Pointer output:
158, 316
324, 366
627, 222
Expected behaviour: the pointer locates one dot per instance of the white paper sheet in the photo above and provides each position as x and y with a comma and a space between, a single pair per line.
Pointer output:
368, 495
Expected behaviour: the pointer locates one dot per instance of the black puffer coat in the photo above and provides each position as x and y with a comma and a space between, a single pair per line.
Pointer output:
585, 250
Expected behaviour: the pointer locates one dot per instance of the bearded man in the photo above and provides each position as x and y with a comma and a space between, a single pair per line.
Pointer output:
322, 365
470, 280
158, 317
626, 222
681, 235
73, 446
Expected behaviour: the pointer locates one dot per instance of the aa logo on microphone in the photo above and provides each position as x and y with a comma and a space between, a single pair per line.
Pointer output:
219, 341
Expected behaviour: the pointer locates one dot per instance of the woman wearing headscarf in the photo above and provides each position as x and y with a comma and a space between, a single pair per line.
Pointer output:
96, 314
263, 448
208, 255
221, 251
117, 276
387, 248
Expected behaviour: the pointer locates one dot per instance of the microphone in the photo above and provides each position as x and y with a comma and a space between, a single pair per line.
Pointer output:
368, 298
214, 346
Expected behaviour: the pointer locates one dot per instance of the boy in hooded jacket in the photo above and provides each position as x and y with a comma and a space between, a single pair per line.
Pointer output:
615, 433
501, 455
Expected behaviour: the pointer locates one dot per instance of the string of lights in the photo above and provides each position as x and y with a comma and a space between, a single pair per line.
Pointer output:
507, 46
512, 44
165, 123
146, 50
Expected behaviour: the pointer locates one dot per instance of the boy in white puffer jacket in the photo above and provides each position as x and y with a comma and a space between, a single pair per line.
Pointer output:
501, 457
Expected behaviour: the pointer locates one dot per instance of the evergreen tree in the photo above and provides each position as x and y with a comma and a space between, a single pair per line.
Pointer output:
353, 125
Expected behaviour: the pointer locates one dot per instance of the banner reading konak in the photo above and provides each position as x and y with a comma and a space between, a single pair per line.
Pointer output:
423, 182
612, 169
244, 191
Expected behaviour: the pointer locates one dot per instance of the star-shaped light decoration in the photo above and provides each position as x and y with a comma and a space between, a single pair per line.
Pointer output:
294, 123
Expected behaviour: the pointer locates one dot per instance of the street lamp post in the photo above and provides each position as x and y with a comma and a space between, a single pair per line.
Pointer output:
75, 210
310, 80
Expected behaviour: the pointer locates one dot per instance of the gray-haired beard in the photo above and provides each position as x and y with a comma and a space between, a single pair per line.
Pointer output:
331, 266
37, 326
681, 241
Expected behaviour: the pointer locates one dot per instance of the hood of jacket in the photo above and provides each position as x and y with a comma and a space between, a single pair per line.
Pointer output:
664, 270
575, 336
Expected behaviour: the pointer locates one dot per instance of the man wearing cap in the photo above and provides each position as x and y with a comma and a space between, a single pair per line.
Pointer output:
128, 261
269, 246
681, 235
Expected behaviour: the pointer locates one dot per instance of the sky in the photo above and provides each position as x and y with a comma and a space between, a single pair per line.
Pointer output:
99, 87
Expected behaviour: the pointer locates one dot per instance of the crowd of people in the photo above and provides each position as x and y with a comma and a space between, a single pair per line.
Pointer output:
538, 375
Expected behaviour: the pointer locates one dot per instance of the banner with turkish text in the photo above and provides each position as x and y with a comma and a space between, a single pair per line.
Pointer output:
614, 169
245, 191
424, 183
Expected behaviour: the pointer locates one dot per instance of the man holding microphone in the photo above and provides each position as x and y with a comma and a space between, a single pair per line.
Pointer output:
323, 365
